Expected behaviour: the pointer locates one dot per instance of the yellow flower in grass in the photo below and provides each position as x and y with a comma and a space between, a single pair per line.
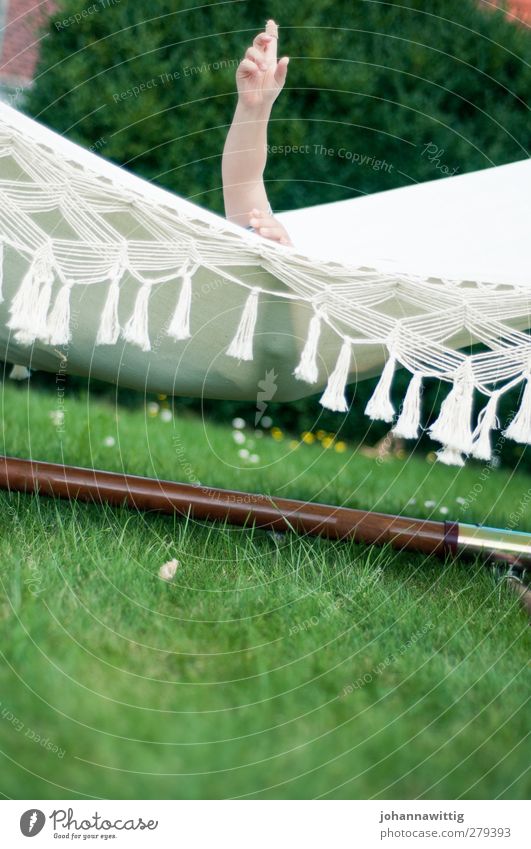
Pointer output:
340, 447
321, 434
294, 444
327, 441
277, 434
307, 437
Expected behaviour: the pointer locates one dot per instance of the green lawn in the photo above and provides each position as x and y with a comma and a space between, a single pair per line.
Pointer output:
271, 666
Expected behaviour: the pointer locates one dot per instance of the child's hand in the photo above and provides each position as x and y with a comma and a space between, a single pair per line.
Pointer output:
260, 77
265, 225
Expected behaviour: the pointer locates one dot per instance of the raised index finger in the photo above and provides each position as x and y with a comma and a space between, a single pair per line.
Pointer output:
272, 30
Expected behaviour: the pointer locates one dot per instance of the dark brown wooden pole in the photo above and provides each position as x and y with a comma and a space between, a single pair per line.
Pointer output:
246, 509
237, 508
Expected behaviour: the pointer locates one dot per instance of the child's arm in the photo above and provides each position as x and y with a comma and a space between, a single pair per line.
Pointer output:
260, 78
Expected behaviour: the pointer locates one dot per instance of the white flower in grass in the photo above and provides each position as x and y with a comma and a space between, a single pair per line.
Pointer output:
152, 409
238, 436
238, 423
460, 499
166, 415
429, 503
57, 417
109, 441
243, 453
444, 511
267, 421
254, 458
167, 570
412, 501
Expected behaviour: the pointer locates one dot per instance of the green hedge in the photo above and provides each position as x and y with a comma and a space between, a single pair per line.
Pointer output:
152, 87
380, 79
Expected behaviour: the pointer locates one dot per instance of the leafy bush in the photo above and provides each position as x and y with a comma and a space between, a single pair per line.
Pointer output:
381, 79
152, 87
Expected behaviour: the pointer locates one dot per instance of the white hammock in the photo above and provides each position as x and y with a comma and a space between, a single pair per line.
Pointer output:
109, 276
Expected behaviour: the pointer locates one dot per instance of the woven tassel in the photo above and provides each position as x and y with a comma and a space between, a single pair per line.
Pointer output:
136, 330
380, 406
180, 324
109, 329
241, 347
408, 422
58, 323
19, 373
42, 308
450, 457
30, 305
333, 397
520, 427
453, 428
487, 420
307, 369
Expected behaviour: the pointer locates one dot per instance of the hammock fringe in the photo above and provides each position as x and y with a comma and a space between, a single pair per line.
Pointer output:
450, 457
453, 426
379, 406
241, 347
31, 302
307, 369
179, 327
109, 329
19, 373
487, 421
58, 323
136, 330
519, 429
408, 423
333, 398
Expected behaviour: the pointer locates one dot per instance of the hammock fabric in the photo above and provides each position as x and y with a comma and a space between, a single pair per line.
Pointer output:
109, 276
